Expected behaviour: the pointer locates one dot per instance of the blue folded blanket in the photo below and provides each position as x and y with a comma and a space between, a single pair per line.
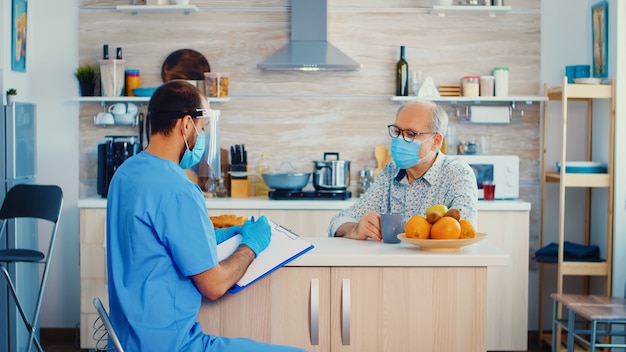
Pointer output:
573, 252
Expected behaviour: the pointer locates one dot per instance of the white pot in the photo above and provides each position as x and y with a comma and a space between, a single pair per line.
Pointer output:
11, 99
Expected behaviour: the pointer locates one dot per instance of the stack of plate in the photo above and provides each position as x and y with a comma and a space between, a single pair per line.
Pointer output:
450, 90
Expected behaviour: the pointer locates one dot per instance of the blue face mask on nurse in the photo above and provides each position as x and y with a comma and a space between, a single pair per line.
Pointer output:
191, 157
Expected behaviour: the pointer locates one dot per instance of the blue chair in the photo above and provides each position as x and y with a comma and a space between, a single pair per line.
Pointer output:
43, 202
103, 331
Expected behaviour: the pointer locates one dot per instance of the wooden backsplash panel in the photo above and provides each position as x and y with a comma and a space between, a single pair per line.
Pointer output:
297, 116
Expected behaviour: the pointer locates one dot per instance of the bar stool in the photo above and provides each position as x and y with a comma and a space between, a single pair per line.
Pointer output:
601, 312
43, 202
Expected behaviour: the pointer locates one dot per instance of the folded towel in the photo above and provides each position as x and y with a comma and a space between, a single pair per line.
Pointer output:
573, 252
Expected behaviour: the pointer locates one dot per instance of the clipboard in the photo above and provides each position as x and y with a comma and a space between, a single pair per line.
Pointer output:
284, 247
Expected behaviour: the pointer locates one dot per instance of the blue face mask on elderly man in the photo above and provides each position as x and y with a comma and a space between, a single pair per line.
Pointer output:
405, 154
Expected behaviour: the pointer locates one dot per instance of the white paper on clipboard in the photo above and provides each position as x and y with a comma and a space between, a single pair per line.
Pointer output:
284, 246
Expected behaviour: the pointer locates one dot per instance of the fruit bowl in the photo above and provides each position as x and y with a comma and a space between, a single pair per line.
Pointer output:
431, 245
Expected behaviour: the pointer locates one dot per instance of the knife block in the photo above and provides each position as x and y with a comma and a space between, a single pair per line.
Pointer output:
239, 186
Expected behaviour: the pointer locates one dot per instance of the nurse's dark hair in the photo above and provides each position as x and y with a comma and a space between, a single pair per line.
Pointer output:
173, 97
439, 116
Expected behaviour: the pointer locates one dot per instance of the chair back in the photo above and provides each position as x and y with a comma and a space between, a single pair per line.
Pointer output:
106, 322
33, 201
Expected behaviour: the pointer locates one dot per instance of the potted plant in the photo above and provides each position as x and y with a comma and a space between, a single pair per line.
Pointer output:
11, 94
86, 75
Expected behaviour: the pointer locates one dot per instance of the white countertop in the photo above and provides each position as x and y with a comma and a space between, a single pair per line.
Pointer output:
347, 252
269, 204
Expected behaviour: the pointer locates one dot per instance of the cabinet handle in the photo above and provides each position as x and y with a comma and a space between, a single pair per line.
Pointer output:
345, 312
315, 311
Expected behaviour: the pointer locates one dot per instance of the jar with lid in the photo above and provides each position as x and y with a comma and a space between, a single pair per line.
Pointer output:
366, 178
221, 191
502, 81
470, 86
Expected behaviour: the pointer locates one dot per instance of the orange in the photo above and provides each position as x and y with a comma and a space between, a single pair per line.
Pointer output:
447, 228
417, 227
467, 229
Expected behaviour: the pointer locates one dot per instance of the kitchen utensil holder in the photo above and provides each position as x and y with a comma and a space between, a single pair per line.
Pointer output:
239, 185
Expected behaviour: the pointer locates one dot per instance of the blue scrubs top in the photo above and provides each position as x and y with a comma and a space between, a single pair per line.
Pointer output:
158, 235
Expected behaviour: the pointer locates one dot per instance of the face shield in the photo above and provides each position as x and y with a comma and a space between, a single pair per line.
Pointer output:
209, 167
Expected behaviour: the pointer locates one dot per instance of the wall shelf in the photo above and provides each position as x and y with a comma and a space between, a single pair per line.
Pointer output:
469, 9
135, 9
122, 99
528, 99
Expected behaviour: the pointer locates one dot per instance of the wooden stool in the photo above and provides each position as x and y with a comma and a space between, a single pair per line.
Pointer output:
592, 309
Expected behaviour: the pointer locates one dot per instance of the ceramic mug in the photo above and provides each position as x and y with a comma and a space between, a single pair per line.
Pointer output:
104, 118
391, 224
117, 108
131, 108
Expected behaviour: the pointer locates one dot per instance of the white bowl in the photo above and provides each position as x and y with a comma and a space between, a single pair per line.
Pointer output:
587, 80
125, 119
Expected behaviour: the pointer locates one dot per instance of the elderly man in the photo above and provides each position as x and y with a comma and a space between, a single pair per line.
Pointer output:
419, 176
161, 246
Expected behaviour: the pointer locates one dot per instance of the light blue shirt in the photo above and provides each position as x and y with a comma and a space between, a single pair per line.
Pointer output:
449, 181
158, 235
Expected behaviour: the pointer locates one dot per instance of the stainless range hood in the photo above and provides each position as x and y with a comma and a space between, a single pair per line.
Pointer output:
308, 49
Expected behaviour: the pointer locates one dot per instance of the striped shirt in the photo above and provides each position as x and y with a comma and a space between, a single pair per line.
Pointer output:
449, 181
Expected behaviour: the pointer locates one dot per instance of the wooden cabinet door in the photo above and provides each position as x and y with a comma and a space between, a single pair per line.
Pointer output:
92, 270
306, 223
408, 309
507, 287
288, 307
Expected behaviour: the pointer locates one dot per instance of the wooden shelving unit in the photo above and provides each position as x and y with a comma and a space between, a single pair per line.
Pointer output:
470, 9
565, 94
135, 9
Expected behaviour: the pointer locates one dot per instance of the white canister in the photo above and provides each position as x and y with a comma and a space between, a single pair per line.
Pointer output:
502, 81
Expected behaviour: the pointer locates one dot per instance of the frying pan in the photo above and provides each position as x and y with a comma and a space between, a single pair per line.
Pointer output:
186, 64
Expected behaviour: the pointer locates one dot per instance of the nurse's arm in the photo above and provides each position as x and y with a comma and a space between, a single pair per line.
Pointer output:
213, 283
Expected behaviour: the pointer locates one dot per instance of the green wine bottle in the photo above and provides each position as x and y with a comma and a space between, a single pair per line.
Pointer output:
402, 75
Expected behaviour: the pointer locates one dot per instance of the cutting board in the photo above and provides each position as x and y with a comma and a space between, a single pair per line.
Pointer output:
186, 64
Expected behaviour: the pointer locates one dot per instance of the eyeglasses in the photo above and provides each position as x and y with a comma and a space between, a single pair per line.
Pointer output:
197, 113
407, 135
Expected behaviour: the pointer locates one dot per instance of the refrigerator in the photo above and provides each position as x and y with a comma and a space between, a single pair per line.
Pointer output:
18, 166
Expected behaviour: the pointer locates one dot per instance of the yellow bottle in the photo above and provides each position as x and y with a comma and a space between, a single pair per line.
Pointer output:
443, 145
261, 188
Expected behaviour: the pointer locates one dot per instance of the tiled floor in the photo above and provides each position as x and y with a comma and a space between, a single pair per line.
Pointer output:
71, 346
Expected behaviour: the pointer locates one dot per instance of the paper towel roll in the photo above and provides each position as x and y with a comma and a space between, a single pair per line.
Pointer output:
490, 114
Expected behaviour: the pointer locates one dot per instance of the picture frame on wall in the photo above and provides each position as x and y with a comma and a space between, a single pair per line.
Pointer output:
18, 35
599, 39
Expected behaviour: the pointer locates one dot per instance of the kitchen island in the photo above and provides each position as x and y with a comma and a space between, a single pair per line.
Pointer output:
506, 223
348, 295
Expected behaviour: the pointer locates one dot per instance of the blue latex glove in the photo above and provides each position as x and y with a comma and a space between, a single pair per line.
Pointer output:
256, 234
222, 235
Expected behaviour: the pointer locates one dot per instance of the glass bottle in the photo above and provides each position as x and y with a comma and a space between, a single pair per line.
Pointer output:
402, 75
221, 191
261, 189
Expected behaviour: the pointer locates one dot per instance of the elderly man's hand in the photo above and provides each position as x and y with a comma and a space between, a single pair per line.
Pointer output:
368, 227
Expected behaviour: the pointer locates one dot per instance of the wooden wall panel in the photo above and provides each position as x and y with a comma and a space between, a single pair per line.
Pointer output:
297, 116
